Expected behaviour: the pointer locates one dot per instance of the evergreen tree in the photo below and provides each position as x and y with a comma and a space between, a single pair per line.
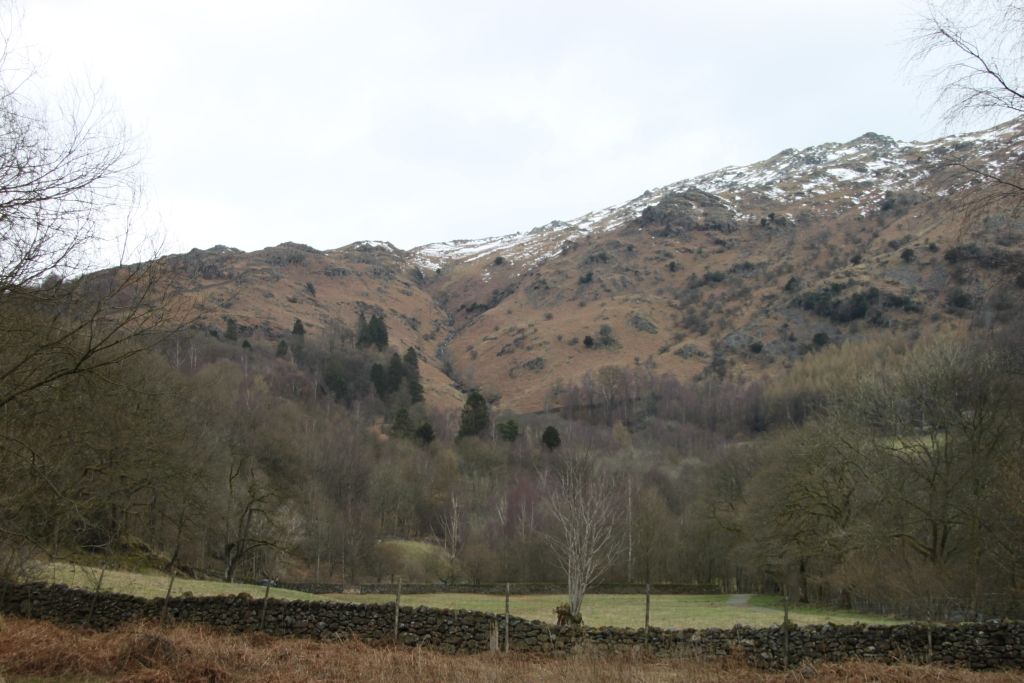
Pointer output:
415, 389
425, 433
396, 371
508, 431
475, 415
377, 332
282, 348
412, 375
298, 328
551, 438
363, 332
379, 378
231, 332
402, 424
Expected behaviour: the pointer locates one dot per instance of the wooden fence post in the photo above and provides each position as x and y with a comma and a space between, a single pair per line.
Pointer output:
507, 590
398, 602
263, 610
785, 629
647, 612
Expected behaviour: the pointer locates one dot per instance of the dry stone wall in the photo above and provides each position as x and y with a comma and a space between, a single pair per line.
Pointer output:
992, 645
539, 588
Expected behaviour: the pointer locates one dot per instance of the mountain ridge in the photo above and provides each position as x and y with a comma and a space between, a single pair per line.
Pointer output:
733, 272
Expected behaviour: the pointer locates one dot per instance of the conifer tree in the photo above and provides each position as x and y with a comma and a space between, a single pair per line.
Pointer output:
551, 438
475, 415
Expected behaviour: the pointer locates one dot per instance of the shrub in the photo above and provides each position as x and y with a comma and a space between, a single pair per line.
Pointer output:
820, 339
958, 298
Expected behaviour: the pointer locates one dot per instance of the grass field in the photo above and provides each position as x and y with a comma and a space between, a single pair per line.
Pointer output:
667, 611
154, 585
39, 651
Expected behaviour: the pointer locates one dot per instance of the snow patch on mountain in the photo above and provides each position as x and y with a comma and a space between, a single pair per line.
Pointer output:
856, 174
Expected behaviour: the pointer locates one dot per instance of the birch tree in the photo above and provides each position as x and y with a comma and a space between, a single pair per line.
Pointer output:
583, 503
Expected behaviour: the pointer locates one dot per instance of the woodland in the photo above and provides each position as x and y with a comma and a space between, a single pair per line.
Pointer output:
881, 474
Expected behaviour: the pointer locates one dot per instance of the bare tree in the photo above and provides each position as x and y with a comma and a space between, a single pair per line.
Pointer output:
451, 523
978, 44
69, 190
582, 501
974, 51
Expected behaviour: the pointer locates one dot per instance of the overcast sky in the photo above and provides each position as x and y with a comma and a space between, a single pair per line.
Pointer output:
415, 121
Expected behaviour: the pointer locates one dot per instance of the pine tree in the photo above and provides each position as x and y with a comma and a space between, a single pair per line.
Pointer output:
396, 372
377, 332
551, 438
298, 328
363, 332
508, 431
379, 377
412, 375
282, 348
231, 332
475, 415
425, 433
402, 424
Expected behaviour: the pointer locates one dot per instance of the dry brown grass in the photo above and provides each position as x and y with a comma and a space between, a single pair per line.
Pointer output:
36, 650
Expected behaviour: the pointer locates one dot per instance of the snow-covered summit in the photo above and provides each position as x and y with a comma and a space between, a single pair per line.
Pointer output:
831, 177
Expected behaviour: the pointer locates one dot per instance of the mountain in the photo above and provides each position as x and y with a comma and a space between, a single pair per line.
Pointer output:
733, 273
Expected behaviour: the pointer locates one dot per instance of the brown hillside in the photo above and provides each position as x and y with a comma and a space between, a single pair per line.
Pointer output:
737, 272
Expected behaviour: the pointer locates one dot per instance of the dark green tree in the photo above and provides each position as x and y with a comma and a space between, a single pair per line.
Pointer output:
363, 332
412, 375
551, 438
231, 332
475, 415
298, 328
402, 425
372, 333
379, 378
282, 348
425, 433
395, 373
508, 430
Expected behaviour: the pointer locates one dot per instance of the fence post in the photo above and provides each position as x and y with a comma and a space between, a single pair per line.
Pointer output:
647, 612
263, 610
398, 601
507, 590
785, 628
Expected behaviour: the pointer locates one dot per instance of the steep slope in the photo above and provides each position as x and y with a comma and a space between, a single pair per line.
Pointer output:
735, 272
